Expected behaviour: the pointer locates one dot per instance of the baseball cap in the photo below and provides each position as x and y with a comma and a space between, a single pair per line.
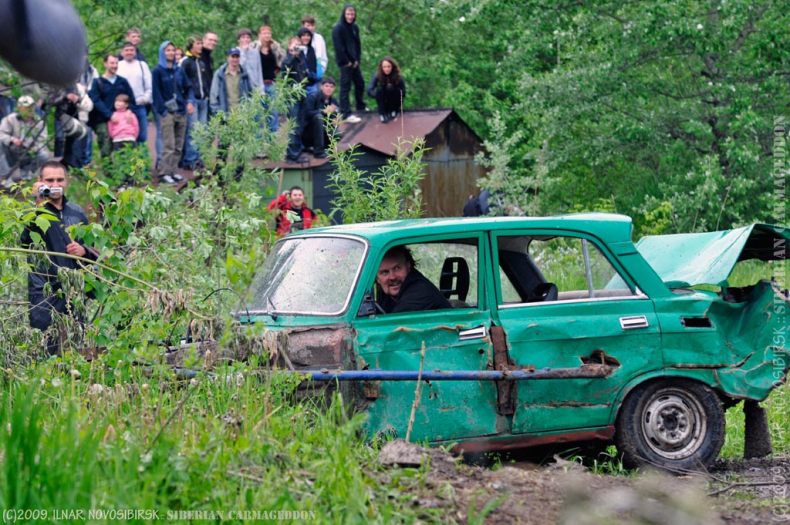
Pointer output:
234, 51
25, 101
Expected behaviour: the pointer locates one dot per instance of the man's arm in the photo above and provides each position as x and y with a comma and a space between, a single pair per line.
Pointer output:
320, 50
6, 131
341, 54
213, 94
279, 202
158, 101
148, 94
98, 103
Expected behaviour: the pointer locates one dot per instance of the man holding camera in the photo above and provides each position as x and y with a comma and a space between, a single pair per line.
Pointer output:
43, 287
23, 143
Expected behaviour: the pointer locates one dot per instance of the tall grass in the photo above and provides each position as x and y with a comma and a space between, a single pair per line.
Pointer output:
229, 442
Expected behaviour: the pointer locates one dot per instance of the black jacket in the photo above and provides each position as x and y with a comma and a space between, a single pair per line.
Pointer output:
376, 85
417, 293
195, 69
208, 71
316, 103
345, 39
295, 69
56, 239
102, 93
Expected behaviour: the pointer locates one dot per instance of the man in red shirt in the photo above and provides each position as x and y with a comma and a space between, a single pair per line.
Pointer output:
292, 212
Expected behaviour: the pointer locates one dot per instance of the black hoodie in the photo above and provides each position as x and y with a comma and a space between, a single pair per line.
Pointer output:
345, 38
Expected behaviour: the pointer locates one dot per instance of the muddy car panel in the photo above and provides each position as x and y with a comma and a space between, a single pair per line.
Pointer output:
634, 324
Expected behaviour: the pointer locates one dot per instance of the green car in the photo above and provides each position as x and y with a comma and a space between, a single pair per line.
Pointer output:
549, 330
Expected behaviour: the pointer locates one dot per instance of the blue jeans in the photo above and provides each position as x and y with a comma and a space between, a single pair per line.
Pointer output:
77, 152
142, 120
158, 144
274, 118
295, 145
191, 155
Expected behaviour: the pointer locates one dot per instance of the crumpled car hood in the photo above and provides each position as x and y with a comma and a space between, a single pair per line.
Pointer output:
689, 259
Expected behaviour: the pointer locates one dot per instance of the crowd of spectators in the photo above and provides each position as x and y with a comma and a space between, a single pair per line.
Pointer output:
184, 87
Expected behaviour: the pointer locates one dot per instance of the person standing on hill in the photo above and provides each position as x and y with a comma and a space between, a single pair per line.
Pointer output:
348, 55
138, 74
173, 101
262, 61
195, 70
103, 92
319, 45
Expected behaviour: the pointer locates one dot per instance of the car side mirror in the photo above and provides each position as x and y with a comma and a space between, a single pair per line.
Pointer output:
369, 306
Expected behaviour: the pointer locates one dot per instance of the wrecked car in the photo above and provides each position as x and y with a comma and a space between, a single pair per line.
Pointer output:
558, 330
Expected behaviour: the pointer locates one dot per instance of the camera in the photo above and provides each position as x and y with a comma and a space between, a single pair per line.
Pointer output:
72, 127
49, 193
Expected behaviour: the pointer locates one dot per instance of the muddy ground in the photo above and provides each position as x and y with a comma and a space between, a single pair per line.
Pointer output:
733, 492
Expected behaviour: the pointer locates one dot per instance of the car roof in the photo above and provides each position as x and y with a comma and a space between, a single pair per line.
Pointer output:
608, 227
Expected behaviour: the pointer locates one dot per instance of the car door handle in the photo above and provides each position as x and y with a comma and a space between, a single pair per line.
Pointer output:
473, 333
633, 321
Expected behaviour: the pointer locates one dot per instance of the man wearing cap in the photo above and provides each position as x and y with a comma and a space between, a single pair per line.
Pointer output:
230, 84
23, 143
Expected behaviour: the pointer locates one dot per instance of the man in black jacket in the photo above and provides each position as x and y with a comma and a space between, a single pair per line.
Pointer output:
43, 287
348, 55
403, 288
318, 106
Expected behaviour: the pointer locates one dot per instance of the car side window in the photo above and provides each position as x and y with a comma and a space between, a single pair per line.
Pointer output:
422, 276
457, 260
555, 268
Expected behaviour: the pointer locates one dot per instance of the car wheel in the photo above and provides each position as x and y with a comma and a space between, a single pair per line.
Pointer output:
674, 424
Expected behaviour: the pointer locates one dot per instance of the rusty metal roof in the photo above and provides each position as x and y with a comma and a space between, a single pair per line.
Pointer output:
384, 137
371, 133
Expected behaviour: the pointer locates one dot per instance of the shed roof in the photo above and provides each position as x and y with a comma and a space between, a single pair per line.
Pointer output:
371, 133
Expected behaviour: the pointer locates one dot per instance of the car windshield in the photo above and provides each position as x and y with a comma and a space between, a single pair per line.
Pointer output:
307, 276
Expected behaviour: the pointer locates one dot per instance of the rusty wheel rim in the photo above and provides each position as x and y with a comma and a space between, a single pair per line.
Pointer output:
674, 424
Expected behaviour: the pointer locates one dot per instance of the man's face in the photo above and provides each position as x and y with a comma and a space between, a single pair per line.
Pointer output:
170, 52
244, 40
26, 112
129, 53
111, 65
392, 272
133, 37
54, 178
197, 47
265, 35
233, 61
327, 89
309, 26
297, 198
210, 41
350, 14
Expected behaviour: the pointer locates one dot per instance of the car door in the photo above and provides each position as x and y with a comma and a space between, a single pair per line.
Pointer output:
563, 301
454, 339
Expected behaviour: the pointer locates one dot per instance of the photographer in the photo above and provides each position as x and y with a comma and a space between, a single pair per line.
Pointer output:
23, 143
295, 71
72, 106
43, 286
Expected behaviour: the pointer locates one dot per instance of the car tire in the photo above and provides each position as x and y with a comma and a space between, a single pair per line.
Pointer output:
673, 424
